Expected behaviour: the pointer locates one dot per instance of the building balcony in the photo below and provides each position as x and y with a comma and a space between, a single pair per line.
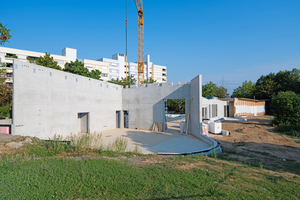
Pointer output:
9, 80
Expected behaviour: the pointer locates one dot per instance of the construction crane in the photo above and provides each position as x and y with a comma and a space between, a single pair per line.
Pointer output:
139, 7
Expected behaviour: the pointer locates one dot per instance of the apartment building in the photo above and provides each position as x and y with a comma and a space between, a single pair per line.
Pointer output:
8, 54
117, 68
111, 68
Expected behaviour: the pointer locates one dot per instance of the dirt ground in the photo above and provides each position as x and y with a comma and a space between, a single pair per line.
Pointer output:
255, 140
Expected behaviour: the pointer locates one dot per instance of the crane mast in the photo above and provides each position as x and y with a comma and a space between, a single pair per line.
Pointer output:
139, 7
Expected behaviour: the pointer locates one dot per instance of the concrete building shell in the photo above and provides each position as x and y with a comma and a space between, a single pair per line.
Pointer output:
48, 101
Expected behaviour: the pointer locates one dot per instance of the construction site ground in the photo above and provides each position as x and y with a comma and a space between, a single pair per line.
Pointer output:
255, 142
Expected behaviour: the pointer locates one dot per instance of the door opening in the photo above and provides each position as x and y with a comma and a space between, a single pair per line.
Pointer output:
83, 122
118, 119
126, 120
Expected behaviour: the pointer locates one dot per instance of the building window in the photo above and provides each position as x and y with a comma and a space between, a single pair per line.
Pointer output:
104, 75
214, 108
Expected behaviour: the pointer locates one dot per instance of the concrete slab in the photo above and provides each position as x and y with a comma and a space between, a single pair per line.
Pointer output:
169, 142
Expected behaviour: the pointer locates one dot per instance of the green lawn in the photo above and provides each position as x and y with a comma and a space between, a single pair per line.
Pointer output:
189, 177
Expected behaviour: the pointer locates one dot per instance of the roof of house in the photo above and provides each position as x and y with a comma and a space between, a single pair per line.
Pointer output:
245, 99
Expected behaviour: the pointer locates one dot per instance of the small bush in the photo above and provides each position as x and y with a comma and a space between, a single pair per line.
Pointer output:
239, 130
286, 109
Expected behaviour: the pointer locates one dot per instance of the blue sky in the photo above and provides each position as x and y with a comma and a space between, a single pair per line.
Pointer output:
234, 39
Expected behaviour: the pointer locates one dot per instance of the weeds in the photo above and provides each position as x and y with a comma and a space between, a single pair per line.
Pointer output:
239, 130
118, 145
214, 153
86, 141
137, 150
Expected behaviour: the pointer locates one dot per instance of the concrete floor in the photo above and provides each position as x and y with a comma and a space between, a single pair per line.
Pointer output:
168, 142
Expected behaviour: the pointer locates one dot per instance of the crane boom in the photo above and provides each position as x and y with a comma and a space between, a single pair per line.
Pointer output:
139, 7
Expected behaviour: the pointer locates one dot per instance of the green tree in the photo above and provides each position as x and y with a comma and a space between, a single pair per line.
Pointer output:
272, 84
115, 81
96, 74
5, 96
286, 108
222, 92
4, 34
266, 87
46, 61
176, 105
149, 80
124, 82
209, 90
77, 67
245, 91
288, 80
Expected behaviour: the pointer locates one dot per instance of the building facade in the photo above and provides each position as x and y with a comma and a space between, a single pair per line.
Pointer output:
111, 68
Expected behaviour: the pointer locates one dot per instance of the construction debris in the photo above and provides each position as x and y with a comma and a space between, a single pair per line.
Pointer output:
157, 127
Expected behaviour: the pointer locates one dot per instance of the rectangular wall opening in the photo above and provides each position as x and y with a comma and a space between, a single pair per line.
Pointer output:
174, 114
214, 110
83, 122
126, 119
118, 119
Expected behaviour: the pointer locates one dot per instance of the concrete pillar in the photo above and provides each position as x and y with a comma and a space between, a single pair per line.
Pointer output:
195, 127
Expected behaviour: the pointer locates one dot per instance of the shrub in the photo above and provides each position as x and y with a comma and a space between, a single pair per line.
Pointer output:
286, 108
4, 112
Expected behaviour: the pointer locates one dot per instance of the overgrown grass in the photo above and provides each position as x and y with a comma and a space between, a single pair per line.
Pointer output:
76, 145
292, 130
57, 178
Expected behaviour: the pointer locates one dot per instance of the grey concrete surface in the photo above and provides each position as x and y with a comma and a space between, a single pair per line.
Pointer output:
6, 121
47, 102
169, 142
6, 137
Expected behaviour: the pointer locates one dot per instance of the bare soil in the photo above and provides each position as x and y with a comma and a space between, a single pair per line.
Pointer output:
256, 141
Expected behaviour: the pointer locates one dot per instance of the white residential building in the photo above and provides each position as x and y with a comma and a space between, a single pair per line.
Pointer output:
117, 68
111, 68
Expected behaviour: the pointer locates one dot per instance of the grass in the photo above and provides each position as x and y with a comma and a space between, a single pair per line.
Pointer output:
75, 145
239, 130
35, 172
58, 178
292, 130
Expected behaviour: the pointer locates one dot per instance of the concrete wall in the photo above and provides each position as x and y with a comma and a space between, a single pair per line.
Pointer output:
145, 105
196, 109
47, 101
